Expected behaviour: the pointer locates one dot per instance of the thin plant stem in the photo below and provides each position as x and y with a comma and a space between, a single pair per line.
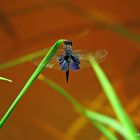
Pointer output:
31, 80
5, 79
94, 117
112, 97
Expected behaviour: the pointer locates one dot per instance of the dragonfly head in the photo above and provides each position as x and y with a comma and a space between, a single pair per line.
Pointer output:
68, 47
67, 42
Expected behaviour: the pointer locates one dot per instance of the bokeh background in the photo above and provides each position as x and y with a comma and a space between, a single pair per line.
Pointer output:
30, 25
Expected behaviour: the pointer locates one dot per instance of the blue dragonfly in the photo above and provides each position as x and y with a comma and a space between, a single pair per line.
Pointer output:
67, 59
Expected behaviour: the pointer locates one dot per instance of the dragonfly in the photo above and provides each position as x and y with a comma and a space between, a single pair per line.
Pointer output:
69, 59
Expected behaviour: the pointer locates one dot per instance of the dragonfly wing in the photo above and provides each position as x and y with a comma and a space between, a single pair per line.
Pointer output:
74, 66
81, 54
83, 57
64, 66
53, 64
100, 55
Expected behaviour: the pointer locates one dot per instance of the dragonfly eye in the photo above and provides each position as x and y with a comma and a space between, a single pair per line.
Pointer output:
68, 42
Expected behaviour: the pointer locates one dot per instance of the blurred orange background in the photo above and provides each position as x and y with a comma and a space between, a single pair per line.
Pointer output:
30, 25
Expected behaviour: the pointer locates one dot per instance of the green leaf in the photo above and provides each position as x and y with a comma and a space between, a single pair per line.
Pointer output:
22, 59
105, 131
96, 118
5, 79
113, 99
33, 77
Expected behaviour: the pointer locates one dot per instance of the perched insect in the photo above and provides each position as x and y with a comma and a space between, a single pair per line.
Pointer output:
68, 59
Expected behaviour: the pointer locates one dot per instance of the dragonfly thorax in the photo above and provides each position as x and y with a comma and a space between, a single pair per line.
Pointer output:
68, 47
68, 50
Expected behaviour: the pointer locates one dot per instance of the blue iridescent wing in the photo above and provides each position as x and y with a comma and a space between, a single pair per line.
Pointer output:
74, 66
74, 62
64, 66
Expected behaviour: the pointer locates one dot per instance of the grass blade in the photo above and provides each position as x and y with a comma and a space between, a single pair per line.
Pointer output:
21, 60
112, 97
101, 21
92, 116
33, 77
105, 131
5, 79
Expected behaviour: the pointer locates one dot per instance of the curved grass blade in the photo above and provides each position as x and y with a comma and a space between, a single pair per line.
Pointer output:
105, 131
5, 79
113, 99
33, 77
22, 59
101, 21
90, 115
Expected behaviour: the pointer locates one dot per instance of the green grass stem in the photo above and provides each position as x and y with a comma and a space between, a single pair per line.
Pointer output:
113, 99
22, 59
97, 119
5, 79
33, 77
